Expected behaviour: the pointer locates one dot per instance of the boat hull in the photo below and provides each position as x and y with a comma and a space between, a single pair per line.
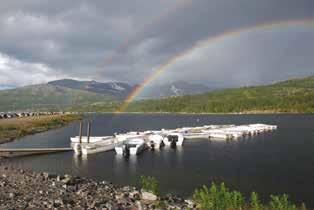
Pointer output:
92, 139
174, 139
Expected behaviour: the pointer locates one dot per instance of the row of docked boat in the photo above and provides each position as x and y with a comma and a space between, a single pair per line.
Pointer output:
225, 132
133, 143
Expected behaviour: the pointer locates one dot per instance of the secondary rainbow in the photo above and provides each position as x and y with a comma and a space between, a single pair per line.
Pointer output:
204, 43
180, 4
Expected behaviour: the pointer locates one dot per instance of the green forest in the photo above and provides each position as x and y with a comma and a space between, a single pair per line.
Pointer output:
293, 96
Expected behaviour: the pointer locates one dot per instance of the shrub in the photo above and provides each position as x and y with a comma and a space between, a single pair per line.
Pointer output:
218, 198
149, 183
281, 202
255, 203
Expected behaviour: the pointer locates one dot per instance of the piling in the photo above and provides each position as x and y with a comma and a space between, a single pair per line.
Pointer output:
88, 131
80, 132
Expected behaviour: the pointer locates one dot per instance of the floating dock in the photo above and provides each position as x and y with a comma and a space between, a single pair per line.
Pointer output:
171, 137
30, 151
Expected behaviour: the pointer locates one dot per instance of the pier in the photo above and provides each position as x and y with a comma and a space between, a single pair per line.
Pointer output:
30, 151
155, 139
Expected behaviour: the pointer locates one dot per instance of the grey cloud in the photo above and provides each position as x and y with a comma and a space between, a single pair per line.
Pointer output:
76, 38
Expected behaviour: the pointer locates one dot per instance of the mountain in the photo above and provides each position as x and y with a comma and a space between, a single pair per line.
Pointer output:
115, 89
295, 95
5, 87
174, 89
47, 96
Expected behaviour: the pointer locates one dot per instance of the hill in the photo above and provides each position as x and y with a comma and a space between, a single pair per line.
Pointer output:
177, 88
47, 96
295, 95
115, 89
120, 90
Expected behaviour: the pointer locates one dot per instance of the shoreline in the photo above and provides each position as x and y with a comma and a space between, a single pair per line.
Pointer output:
20, 189
204, 113
15, 128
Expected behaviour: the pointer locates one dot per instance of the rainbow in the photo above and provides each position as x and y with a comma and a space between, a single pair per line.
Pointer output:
203, 43
148, 24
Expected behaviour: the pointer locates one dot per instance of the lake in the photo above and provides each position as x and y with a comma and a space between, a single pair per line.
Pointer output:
276, 162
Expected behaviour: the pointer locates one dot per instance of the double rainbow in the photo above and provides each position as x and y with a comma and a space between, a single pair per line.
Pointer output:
203, 43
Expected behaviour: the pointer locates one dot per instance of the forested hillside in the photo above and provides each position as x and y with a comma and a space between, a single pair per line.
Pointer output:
296, 95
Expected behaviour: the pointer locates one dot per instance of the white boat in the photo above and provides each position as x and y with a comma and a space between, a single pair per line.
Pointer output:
101, 146
129, 135
220, 135
195, 135
131, 147
77, 147
92, 139
155, 141
174, 139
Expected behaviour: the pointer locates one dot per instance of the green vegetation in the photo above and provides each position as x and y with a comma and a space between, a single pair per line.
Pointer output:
95, 107
47, 97
18, 127
291, 96
221, 198
296, 96
150, 184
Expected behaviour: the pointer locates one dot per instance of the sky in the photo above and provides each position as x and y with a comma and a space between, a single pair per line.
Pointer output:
118, 40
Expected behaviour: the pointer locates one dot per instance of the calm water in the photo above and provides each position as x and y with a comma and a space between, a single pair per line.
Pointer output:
277, 162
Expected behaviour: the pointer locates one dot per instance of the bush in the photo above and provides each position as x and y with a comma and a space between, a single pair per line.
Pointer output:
281, 203
218, 198
255, 203
150, 184
221, 198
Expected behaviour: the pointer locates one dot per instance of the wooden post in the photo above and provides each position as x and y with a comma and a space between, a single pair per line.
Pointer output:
88, 131
80, 132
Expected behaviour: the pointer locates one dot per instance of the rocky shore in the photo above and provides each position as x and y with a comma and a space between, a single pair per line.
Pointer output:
21, 189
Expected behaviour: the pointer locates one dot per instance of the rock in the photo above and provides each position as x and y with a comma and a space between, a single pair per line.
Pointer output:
148, 196
190, 203
109, 206
49, 191
11, 195
49, 176
69, 180
59, 178
135, 195
139, 205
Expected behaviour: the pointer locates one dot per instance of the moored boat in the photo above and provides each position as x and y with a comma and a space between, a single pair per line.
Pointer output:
92, 139
131, 147
155, 141
101, 146
174, 139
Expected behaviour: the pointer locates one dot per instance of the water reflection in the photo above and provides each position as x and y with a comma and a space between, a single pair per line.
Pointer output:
268, 163
80, 161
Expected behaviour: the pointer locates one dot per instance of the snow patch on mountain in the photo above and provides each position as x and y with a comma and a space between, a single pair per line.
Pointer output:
175, 90
117, 86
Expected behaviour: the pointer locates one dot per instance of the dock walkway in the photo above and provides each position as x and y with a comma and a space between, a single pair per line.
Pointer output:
6, 152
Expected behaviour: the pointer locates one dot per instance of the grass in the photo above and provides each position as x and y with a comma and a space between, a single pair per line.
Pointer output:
150, 184
11, 129
221, 198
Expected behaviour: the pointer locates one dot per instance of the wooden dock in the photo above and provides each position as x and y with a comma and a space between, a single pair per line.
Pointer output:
30, 151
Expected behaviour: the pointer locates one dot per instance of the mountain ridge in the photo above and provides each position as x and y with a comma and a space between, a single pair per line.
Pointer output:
69, 92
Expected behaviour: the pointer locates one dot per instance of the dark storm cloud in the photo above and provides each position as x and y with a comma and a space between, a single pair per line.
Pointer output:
77, 38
